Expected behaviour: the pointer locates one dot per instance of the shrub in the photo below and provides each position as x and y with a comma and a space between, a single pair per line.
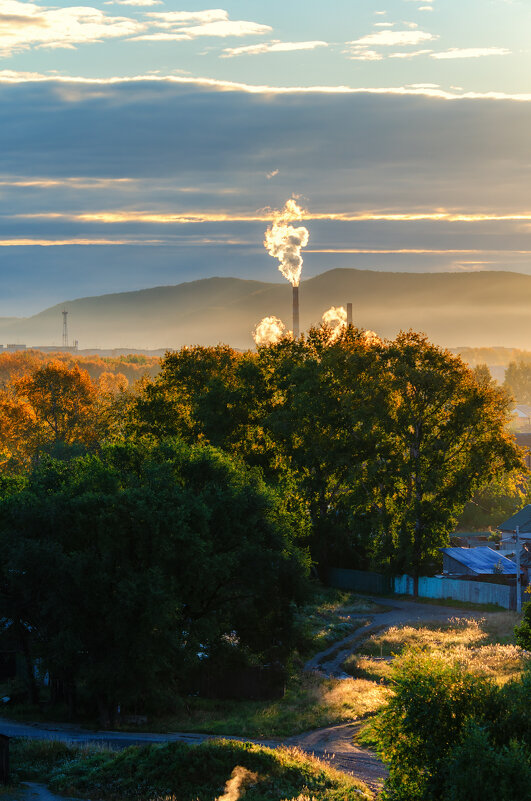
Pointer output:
434, 697
477, 771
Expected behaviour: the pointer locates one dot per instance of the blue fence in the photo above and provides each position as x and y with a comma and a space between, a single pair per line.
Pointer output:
478, 592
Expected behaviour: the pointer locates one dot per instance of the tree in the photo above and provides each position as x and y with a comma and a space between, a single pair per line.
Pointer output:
518, 381
123, 567
52, 407
445, 437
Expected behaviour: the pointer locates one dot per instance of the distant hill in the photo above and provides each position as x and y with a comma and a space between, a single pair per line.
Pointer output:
455, 309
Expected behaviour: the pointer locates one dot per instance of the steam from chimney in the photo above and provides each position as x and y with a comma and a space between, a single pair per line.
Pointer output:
335, 318
269, 331
240, 778
284, 242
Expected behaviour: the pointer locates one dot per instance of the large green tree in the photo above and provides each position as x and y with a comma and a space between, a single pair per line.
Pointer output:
445, 437
121, 568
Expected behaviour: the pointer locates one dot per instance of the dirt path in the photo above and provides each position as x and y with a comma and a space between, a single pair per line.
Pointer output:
329, 662
332, 744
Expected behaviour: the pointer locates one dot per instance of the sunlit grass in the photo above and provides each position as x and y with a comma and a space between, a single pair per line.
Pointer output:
310, 702
483, 646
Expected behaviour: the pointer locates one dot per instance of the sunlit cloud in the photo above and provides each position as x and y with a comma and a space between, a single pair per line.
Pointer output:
271, 47
393, 39
25, 25
472, 52
266, 215
364, 54
132, 3
410, 54
21, 77
212, 22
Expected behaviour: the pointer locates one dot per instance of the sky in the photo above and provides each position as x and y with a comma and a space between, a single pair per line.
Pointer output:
146, 142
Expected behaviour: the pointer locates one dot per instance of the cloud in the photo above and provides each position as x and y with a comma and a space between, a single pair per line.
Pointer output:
271, 47
132, 3
211, 22
363, 54
410, 54
393, 39
471, 52
384, 24
272, 174
23, 25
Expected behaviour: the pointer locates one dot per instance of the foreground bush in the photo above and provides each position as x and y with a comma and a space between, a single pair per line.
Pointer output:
189, 772
450, 735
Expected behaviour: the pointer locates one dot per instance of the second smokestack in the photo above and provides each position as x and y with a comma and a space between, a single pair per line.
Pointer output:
349, 313
296, 312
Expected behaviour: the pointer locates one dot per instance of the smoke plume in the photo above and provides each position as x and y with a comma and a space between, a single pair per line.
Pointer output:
269, 331
240, 779
336, 319
284, 242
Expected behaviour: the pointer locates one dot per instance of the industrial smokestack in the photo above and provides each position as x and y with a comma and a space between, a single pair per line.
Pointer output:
349, 313
296, 312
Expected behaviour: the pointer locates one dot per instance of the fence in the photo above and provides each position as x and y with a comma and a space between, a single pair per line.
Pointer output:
437, 587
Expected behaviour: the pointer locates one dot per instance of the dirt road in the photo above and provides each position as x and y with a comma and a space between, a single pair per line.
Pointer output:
333, 743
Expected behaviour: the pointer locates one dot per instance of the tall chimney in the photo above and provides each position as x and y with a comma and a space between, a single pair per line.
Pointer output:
349, 313
295, 312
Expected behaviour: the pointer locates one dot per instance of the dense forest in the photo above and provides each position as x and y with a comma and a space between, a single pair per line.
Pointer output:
152, 531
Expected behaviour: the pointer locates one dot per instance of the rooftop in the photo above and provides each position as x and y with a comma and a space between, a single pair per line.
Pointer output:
521, 519
482, 560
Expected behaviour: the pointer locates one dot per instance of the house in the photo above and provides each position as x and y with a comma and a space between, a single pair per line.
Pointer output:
522, 519
521, 416
481, 561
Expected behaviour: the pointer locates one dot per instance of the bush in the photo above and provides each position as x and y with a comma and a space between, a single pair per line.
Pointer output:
477, 771
423, 722
522, 632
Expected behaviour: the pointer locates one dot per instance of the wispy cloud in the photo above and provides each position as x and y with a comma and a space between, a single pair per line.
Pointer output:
363, 54
132, 3
271, 47
393, 39
179, 25
471, 52
409, 54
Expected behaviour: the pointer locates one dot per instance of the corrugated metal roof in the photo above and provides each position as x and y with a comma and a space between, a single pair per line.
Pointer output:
481, 560
521, 518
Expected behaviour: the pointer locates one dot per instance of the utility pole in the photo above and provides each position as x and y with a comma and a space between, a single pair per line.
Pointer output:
518, 579
65, 328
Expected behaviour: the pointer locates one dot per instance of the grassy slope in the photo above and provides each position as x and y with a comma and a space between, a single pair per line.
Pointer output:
483, 646
182, 772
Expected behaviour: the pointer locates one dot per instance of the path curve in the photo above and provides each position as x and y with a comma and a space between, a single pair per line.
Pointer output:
332, 744
329, 662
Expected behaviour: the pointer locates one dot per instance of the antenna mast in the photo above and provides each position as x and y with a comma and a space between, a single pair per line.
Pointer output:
65, 328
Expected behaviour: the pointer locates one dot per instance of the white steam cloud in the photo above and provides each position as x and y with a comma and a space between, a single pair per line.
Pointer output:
240, 778
284, 242
336, 319
269, 331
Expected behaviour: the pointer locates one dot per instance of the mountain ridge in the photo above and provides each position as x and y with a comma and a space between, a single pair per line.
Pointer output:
486, 308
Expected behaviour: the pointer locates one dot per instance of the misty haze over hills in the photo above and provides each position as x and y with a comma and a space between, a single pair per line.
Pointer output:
453, 309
